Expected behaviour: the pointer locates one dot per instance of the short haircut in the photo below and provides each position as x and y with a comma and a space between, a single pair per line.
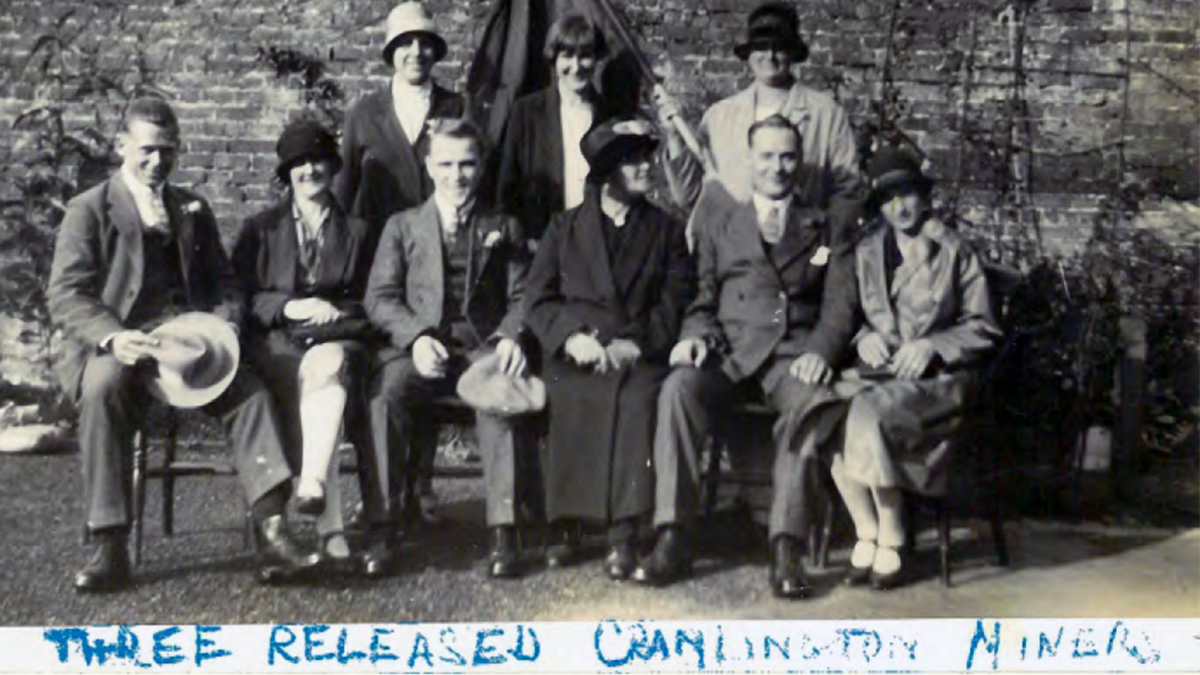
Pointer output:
457, 127
775, 121
153, 110
576, 32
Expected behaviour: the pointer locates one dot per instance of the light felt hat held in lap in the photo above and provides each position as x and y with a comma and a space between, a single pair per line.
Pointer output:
486, 388
196, 359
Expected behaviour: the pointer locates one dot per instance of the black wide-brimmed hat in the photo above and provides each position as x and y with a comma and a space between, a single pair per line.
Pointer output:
773, 25
609, 143
893, 168
305, 140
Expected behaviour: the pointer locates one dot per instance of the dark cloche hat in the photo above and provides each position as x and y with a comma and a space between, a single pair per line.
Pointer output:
305, 140
773, 25
609, 143
893, 167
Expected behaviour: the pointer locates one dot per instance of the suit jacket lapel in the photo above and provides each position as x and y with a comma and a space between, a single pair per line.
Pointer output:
184, 228
875, 295
428, 257
395, 144
639, 241
123, 214
551, 118
590, 240
334, 253
799, 237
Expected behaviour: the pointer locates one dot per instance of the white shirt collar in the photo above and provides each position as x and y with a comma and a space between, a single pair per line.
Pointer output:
320, 217
411, 105
764, 205
617, 211
149, 201
451, 216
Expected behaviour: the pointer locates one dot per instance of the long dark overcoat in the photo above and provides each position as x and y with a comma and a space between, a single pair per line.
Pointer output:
602, 426
529, 178
266, 257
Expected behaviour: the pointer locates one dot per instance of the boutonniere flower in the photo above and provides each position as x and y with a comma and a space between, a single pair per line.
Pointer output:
492, 239
820, 257
192, 208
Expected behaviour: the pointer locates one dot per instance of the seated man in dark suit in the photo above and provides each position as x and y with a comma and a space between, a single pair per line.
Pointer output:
446, 287
774, 312
132, 252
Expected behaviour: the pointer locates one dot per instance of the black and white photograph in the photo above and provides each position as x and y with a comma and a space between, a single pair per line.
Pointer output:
332, 312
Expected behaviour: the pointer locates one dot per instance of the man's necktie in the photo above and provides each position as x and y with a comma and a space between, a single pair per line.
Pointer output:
159, 220
772, 226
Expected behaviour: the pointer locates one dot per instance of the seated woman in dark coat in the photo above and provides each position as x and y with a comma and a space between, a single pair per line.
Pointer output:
541, 171
927, 322
606, 295
304, 263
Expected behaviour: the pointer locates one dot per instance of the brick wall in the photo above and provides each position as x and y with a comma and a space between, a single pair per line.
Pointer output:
1092, 73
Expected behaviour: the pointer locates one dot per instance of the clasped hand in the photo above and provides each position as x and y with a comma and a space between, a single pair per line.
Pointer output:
587, 352
689, 352
909, 362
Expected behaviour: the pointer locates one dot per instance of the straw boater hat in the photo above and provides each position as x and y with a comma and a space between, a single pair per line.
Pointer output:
197, 358
773, 25
611, 142
411, 17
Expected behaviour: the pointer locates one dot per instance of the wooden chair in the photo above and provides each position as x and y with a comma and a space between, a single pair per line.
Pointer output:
169, 469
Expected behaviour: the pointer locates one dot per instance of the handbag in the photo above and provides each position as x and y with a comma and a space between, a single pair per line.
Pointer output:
353, 326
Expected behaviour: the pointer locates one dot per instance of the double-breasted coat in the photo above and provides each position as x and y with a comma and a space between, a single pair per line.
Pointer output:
602, 425
529, 177
383, 170
266, 258
940, 295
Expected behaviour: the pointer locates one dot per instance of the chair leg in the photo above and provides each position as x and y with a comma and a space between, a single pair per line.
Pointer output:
139, 493
943, 525
168, 479
999, 543
827, 532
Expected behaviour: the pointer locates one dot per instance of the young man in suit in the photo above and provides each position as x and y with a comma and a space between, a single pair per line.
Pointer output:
774, 312
446, 287
828, 174
132, 252
386, 139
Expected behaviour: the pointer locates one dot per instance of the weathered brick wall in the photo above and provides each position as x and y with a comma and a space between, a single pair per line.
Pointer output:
1107, 88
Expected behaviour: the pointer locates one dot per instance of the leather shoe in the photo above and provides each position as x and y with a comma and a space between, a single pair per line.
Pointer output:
620, 561
108, 569
566, 551
278, 554
856, 576
503, 557
670, 561
310, 505
787, 571
381, 557
890, 580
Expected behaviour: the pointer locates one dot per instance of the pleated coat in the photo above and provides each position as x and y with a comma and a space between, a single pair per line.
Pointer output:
597, 467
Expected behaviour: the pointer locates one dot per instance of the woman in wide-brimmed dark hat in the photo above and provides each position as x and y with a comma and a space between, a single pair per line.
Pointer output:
927, 324
606, 295
304, 263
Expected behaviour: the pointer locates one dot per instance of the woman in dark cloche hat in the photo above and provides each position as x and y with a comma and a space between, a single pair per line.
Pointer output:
927, 325
304, 264
606, 296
